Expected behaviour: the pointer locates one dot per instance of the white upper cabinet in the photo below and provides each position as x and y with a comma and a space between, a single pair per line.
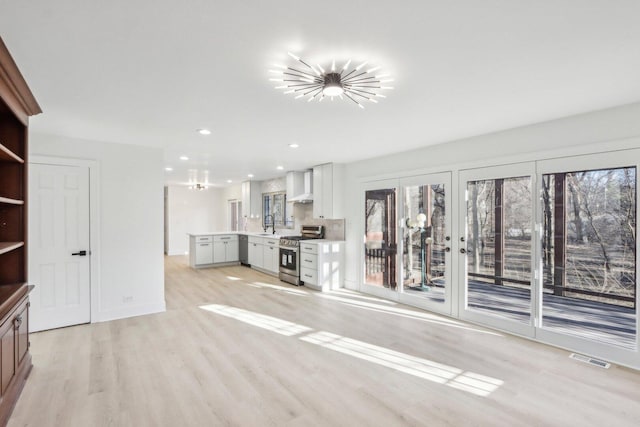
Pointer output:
327, 191
252, 199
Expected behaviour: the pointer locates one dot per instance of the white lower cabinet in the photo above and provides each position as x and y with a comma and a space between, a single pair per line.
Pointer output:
322, 264
271, 250
206, 251
225, 248
263, 253
256, 252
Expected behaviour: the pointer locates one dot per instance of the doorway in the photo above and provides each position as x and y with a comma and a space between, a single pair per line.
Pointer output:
61, 257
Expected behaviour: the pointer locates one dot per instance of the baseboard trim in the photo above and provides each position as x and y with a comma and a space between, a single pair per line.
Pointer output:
132, 311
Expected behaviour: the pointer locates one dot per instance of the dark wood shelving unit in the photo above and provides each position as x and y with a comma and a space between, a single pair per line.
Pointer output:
16, 105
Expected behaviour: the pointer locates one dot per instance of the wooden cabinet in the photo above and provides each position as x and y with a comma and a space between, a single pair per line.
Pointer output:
252, 199
327, 191
16, 105
322, 264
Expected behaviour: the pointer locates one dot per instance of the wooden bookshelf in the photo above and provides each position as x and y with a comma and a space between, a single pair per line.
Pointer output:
16, 105
7, 155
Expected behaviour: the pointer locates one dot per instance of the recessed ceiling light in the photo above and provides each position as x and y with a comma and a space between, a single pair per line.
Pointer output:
294, 145
184, 158
280, 168
229, 181
168, 169
204, 131
250, 175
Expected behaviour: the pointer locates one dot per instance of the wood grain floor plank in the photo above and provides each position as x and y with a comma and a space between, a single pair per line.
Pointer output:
193, 367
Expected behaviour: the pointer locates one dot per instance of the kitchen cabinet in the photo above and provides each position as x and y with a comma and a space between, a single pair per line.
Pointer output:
17, 104
225, 248
256, 252
209, 250
200, 250
322, 264
252, 199
271, 250
328, 183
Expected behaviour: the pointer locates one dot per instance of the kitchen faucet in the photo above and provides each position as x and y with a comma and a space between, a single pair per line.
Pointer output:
273, 223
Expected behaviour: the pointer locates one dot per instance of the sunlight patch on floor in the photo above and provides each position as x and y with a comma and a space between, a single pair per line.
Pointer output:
263, 321
477, 384
402, 312
288, 290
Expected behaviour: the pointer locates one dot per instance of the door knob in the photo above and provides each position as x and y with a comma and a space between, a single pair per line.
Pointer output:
81, 253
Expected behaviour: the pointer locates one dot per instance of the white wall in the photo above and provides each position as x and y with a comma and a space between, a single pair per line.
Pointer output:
592, 132
192, 211
130, 248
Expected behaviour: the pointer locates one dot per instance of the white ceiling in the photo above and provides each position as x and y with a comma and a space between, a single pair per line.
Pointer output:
151, 72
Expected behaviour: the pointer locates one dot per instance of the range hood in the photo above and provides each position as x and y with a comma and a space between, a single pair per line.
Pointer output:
299, 187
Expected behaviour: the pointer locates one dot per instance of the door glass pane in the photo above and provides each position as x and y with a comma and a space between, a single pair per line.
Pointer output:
589, 254
499, 247
423, 258
380, 238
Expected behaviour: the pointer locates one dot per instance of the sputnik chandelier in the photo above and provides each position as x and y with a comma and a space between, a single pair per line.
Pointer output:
358, 84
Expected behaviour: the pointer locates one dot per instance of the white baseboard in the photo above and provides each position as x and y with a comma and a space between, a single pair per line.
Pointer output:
351, 285
131, 311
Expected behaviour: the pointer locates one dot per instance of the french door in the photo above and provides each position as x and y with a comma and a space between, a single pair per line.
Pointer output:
426, 241
496, 247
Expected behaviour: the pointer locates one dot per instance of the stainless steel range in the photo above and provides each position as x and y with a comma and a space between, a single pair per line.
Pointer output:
289, 251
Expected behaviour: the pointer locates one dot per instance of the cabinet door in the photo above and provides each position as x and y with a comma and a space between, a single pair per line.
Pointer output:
7, 354
256, 255
21, 322
204, 253
219, 251
233, 249
271, 258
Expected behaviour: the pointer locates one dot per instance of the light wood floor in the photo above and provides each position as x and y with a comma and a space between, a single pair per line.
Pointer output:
346, 360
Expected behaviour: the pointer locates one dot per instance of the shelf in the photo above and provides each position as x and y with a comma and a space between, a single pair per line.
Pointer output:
9, 246
11, 201
7, 155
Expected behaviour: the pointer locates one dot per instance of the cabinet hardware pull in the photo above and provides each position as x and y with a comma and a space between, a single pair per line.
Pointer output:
463, 251
81, 253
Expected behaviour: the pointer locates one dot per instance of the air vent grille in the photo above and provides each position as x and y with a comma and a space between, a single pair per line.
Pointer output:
590, 360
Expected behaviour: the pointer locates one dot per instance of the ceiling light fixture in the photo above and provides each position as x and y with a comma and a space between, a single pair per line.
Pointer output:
229, 181
204, 131
280, 168
356, 85
184, 158
168, 169
294, 145
199, 187
250, 175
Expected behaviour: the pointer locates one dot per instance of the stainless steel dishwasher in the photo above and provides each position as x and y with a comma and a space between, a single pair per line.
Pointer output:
244, 249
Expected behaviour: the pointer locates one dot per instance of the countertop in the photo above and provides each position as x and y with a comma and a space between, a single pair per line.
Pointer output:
247, 233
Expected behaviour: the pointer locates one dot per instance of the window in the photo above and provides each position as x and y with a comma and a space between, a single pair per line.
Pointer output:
274, 209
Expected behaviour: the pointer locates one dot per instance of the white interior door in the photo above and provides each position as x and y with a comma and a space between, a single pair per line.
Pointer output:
58, 235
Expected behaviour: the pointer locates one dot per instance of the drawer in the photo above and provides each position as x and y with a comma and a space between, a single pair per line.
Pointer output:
308, 260
256, 239
308, 275
272, 242
226, 238
311, 248
204, 239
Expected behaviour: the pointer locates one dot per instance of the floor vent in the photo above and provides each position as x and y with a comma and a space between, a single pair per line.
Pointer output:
590, 360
